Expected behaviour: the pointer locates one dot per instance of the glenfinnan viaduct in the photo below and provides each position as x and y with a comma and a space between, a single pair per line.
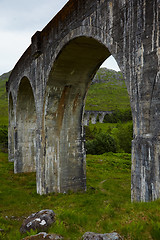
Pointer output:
47, 90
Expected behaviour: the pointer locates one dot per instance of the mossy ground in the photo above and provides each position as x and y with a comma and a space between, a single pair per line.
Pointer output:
104, 207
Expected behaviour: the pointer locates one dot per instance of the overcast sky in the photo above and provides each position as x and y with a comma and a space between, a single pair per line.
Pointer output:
19, 20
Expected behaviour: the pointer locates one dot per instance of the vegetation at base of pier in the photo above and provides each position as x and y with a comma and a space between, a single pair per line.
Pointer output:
104, 207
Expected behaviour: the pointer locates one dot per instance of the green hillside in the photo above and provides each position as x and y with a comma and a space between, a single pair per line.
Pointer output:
107, 92
3, 99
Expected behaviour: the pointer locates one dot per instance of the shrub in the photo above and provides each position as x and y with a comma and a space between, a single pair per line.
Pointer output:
118, 116
90, 134
119, 135
124, 135
101, 144
3, 137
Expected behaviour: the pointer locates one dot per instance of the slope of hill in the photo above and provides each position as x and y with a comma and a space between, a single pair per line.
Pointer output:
107, 92
3, 99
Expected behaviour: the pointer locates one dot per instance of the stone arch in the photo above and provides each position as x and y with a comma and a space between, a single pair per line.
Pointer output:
11, 125
68, 83
25, 132
90, 32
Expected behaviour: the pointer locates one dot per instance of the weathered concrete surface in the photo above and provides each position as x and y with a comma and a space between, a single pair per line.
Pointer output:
98, 236
44, 235
59, 66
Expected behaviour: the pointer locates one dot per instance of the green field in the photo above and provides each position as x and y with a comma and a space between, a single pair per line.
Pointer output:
104, 207
3, 100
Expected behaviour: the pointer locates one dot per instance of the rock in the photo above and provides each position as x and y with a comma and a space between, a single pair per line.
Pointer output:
43, 235
97, 236
38, 221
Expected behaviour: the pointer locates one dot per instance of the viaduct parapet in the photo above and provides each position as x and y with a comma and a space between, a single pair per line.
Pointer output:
48, 86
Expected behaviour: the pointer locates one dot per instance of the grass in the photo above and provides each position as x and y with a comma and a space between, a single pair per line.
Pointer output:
108, 92
3, 100
104, 207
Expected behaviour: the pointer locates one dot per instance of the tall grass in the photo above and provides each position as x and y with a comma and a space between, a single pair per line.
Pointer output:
104, 207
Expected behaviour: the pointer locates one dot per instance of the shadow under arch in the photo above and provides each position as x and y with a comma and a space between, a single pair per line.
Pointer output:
25, 131
63, 138
11, 125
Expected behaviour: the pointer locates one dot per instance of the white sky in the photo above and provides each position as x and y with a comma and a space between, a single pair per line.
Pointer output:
19, 20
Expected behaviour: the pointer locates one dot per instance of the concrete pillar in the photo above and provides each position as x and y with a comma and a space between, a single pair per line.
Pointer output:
101, 116
145, 184
86, 118
145, 169
63, 166
93, 117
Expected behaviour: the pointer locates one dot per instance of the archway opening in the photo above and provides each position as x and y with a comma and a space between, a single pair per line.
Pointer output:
68, 83
108, 102
25, 132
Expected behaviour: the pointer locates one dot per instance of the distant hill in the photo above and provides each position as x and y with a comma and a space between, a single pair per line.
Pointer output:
3, 99
107, 92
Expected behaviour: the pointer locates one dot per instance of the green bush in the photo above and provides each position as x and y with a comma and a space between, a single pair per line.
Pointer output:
118, 116
90, 134
101, 144
102, 137
3, 137
124, 135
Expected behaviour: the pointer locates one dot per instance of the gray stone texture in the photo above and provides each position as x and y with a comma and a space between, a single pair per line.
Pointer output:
47, 90
39, 221
44, 235
98, 236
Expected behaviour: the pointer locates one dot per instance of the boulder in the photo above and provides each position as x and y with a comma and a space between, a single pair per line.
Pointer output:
39, 221
98, 236
43, 235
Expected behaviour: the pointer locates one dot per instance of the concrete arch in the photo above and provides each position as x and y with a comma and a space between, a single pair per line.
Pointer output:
66, 89
88, 31
25, 130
